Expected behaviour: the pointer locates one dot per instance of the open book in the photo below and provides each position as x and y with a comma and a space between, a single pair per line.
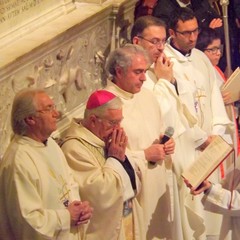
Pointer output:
207, 162
232, 85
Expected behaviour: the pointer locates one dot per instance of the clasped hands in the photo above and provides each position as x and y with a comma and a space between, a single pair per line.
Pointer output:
80, 212
116, 144
163, 68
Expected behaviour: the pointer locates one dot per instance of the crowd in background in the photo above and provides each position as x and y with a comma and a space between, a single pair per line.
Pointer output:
207, 10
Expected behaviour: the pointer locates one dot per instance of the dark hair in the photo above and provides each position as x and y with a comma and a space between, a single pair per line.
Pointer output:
206, 37
183, 13
145, 22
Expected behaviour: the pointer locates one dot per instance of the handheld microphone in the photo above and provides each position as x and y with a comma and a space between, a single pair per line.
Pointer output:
167, 135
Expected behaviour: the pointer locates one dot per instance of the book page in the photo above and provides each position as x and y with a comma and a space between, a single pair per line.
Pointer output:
233, 85
232, 77
208, 161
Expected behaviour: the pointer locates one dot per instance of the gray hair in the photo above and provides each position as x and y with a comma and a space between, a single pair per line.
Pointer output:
100, 111
122, 57
24, 105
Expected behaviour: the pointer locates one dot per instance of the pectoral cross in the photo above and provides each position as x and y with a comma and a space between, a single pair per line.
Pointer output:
198, 107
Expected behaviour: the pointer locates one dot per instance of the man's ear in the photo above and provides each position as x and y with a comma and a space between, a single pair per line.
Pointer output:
30, 120
135, 40
171, 32
93, 119
119, 71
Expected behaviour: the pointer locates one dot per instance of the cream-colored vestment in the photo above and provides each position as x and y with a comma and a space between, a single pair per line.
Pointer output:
143, 125
35, 185
196, 81
104, 183
187, 136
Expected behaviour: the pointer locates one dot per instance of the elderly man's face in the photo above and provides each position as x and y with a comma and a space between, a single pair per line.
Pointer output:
105, 125
46, 117
132, 80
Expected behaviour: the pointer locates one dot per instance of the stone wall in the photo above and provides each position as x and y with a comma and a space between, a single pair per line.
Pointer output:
19, 17
65, 57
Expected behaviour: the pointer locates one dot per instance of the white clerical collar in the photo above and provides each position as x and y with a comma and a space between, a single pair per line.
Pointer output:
182, 4
112, 87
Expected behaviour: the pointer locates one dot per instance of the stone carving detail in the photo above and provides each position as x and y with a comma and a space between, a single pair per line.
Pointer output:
123, 34
6, 94
68, 67
69, 74
122, 29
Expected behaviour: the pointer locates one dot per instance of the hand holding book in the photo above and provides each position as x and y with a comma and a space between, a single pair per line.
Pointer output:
232, 86
208, 161
205, 187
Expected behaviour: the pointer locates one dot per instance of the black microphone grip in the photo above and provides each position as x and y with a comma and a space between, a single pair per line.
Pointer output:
168, 134
164, 139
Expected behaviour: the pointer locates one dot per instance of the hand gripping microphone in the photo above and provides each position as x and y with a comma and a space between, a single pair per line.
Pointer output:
167, 135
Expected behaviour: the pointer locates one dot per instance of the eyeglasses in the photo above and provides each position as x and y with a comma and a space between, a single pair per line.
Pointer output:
113, 123
49, 108
155, 41
214, 50
188, 34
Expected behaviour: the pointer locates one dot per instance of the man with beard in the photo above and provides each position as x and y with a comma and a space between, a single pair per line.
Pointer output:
198, 90
150, 33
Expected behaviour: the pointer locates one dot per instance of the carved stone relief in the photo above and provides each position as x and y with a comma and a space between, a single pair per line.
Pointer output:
69, 68
6, 96
122, 29
69, 74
